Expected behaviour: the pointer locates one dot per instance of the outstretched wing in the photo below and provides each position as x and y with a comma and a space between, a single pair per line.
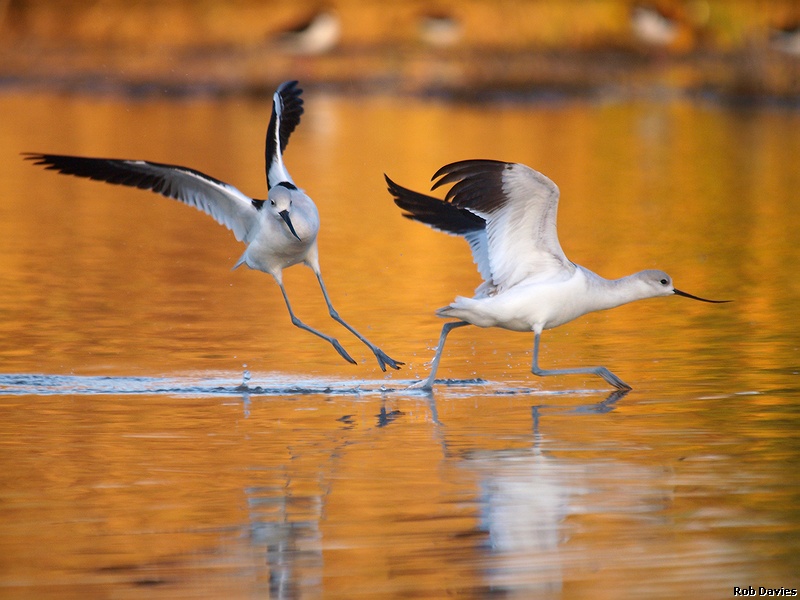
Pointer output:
446, 217
520, 207
287, 107
224, 203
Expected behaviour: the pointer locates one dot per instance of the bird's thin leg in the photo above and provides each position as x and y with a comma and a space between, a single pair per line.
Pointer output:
383, 358
298, 323
600, 371
427, 384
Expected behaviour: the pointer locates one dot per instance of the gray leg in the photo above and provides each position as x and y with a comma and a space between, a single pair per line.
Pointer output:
600, 371
298, 323
427, 384
383, 358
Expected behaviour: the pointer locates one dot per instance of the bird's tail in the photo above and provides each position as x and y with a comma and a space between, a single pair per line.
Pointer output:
454, 310
469, 310
242, 261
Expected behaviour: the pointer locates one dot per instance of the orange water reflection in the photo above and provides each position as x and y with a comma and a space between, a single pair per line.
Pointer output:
687, 487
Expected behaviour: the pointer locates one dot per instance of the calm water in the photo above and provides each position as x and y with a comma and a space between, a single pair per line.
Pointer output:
135, 464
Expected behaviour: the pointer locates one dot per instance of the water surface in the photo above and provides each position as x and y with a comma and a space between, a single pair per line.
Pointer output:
138, 460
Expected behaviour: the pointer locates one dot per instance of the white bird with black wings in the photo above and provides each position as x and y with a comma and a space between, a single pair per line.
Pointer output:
279, 232
507, 213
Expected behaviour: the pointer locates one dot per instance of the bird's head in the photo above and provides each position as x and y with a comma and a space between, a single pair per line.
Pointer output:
658, 283
279, 202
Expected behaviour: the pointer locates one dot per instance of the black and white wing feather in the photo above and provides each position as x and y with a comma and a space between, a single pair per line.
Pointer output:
287, 108
520, 207
446, 217
224, 203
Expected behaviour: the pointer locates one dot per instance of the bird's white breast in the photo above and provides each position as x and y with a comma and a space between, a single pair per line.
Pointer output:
274, 247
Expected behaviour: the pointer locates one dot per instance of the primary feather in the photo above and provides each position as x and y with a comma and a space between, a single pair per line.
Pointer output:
223, 202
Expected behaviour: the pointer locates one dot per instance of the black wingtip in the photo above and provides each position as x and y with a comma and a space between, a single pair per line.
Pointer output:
288, 85
397, 191
433, 212
36, 157
63, 163
390, 185
456, 171
52, 162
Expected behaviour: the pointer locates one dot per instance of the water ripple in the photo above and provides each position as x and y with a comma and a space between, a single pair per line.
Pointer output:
231, 384
46, 385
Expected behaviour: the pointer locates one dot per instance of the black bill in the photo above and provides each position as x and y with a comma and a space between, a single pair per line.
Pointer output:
285, 215
685, 295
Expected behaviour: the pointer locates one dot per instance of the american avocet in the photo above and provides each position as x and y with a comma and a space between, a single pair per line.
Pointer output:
280, 231
507, 213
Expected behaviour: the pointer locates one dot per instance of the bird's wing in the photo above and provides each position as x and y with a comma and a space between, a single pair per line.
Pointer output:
519, 206
224, 203
287, 107
444, 216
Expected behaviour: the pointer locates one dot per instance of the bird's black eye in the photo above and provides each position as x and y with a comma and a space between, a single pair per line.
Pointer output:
272, 202
664, 282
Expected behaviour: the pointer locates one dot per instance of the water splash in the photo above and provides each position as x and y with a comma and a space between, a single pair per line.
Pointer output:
271, 384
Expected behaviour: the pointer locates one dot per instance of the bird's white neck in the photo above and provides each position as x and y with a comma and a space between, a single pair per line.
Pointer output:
615, 292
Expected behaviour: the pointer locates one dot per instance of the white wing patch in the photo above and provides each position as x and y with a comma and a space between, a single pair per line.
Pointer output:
479, 244
222, 202
522, 237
